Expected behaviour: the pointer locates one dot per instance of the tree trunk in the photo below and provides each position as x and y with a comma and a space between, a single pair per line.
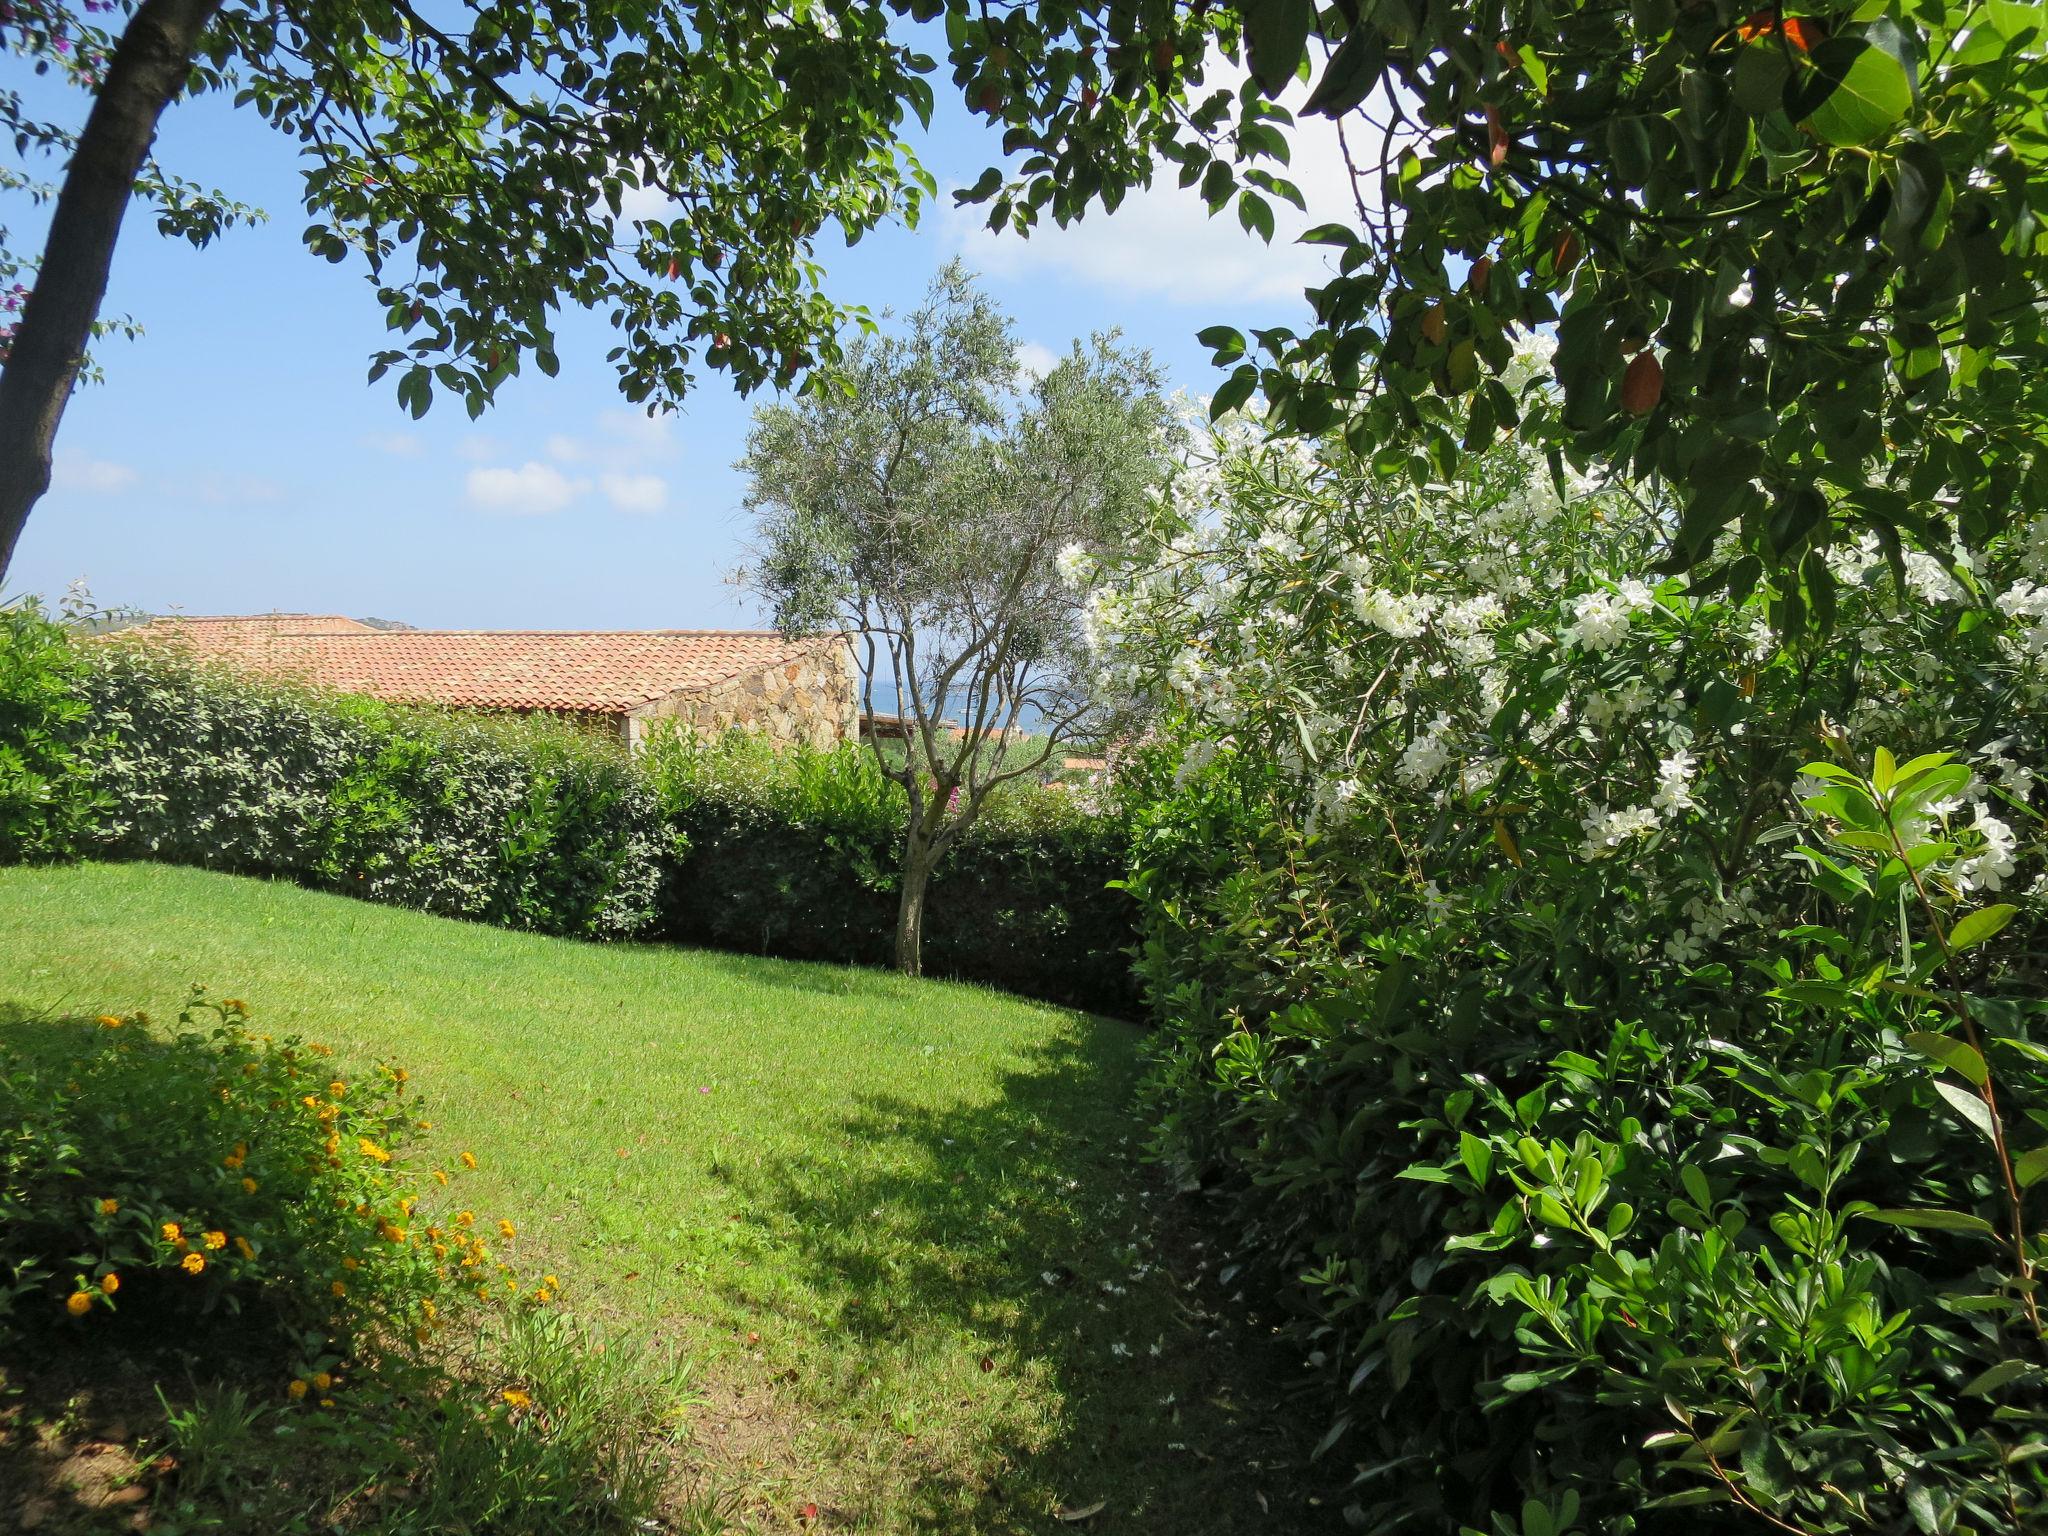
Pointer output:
918, 860
149, 67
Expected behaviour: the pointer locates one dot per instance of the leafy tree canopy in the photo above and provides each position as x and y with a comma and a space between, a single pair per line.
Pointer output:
1792, 255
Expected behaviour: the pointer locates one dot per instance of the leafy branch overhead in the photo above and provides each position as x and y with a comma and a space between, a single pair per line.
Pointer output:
1789, 253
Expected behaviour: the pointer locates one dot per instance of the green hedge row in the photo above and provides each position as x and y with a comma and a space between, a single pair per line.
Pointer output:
795, 853
532, 824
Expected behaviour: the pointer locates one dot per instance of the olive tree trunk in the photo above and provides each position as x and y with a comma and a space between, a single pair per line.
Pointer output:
920, 857
148, 69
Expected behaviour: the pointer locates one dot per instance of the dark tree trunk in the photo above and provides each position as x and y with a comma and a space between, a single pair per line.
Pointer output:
149, 67
918, 859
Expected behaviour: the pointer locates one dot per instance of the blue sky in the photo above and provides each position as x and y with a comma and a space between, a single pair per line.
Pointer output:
236, 461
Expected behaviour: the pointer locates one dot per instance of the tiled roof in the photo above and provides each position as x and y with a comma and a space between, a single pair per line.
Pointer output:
587, 670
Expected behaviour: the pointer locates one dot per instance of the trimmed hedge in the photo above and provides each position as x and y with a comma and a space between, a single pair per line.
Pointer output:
525, 823
533, 824
795, 853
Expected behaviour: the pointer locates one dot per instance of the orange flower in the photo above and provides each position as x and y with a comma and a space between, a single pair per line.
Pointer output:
469, 1159
109, 1207
108, 1021
216, 1240
249, 1186
337, 1089
323, 1381
110, 1282
507, 1230
192, 1263
338, 1288
172, 1231
78, 1303
515, 1398
297, 1390
441, 1178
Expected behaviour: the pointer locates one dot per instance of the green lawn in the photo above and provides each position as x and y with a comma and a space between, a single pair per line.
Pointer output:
900, 1228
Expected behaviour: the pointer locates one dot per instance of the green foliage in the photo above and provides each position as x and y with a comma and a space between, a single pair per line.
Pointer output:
534, 825
1635, 1115
489, 175
47, 797
1789, 254
208, 1172
933, 507
527, 823
797, 853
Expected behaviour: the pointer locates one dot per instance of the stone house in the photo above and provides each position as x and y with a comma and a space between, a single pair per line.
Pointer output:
622, 681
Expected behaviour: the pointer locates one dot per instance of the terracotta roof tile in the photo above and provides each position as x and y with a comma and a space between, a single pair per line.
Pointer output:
593, 671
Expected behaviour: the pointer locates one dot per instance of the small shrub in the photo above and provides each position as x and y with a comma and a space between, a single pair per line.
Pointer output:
48, 798
214, 1172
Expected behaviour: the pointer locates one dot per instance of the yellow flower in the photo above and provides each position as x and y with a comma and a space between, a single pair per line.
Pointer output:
326, 1402
216, 1240
108, 1021
192, 1263
109, 1207
543, 1296
310, 1102
401, 1076
172, 1231
338, 1288
110, 1282
370, 1149
551, 1282
249, 1186
469, 1159
296, 1390
320, 1050
244, 1248
323, 1381
78, 1303
337, 1089
351, 1265
237, 1007
516, 1398
441, 1178
426, 1125
464, 1218
507, 1230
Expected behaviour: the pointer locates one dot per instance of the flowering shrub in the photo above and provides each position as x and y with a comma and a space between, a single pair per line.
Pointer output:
221, 1172
1587, 1077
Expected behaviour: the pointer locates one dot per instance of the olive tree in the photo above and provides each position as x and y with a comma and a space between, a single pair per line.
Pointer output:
932, 503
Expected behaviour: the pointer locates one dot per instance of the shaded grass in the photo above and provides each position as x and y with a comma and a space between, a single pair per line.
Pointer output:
899, 1226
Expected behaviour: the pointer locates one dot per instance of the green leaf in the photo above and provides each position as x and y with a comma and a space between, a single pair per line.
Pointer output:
1975, 927
1477, 1155
2001, 1374
1930, 1220
1276, 38
2031, 1167
1967, 1106
1957, 1055
1855, 93
1354, 69
1233, 392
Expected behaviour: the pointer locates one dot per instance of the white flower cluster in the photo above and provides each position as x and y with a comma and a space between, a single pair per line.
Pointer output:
1600, 620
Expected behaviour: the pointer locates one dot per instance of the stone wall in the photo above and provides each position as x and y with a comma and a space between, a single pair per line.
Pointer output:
808, 699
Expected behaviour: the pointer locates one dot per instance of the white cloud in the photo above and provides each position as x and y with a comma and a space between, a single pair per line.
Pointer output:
646, 203
635, 493
95, 477
400, 445
532, 490
478, 447
1034, 362
567, 449
1161, 241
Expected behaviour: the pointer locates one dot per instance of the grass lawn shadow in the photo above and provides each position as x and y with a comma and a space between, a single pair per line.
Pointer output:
1022, 1234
